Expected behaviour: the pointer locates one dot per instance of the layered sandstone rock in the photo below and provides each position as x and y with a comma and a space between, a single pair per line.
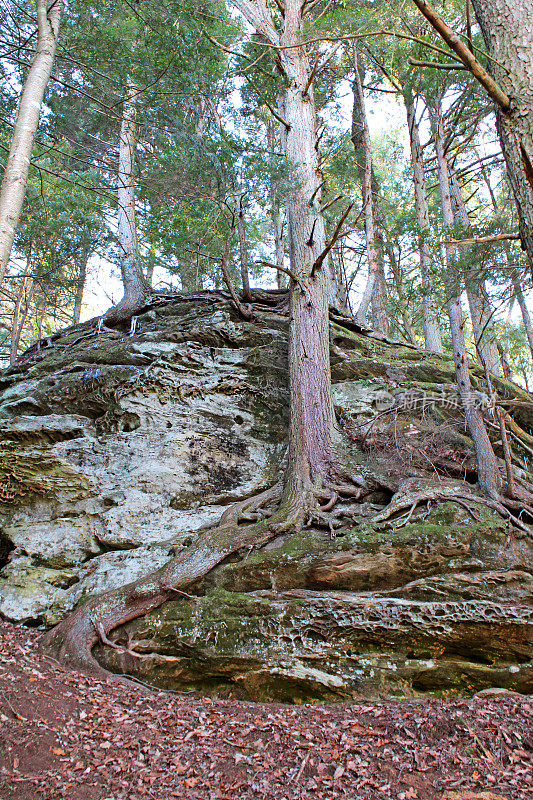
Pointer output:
116, 450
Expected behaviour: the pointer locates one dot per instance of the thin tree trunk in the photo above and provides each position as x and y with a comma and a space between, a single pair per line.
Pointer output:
380, 315
150, 265
489, 477
15, 178
517, 287
338, 297
363, 149
277, 227
243, 251
404, 308
432, 335
136, 288
25, 295
480, 310
276, 213
504, 360
524, 309
507, 27
80, 286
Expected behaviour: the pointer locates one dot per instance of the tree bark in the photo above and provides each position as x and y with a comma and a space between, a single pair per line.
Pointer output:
243, 251
432, 335
15, 178
402, 302
507, 27
25, 295
524, 309
375, 290
136, 287
80, 285
489, 478
480, 311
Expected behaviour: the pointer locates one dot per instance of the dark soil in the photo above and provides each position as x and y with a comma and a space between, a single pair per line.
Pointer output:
63, 735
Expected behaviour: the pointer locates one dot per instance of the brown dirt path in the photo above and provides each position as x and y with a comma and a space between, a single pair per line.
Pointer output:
63, 735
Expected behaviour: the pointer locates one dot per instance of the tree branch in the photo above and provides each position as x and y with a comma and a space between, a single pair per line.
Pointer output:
435, 64
267, 104
455, 43
500, 237
325, 208
286, 271
319, 261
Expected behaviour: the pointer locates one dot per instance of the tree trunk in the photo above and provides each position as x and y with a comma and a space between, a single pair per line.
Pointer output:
508, 32
243, 251
482, 328
276, 214
524, 309
432, 335
26, 292
150, 265
337, 294
363, 150
380, 315
489, 478
80, 286
402, 302
136, 287
277, 228
480, 310
15, 178
312, 418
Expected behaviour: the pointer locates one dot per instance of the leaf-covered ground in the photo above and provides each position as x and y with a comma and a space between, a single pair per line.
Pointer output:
63, 735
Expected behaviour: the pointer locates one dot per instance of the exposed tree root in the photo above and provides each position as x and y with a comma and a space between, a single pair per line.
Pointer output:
406, 499
72, 641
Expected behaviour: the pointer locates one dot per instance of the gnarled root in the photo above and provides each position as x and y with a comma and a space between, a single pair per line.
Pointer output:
410, 499
72, 640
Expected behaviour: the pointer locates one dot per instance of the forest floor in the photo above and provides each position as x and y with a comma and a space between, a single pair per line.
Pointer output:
63, 735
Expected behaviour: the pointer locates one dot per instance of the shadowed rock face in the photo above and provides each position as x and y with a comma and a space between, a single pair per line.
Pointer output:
116, 450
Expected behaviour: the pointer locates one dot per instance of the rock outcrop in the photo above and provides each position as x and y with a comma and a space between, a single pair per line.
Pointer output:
116, 450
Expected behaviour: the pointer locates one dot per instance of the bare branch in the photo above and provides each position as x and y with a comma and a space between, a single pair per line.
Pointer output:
318, 188
286, 271
267, 104
435, 64
324, 208
500, 237
319, 261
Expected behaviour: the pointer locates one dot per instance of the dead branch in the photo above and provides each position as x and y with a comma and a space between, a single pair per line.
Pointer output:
435, 64
499, 237
266, 103
311, 77
318, 188
319, 261
280, 269
325, 208
310, 242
